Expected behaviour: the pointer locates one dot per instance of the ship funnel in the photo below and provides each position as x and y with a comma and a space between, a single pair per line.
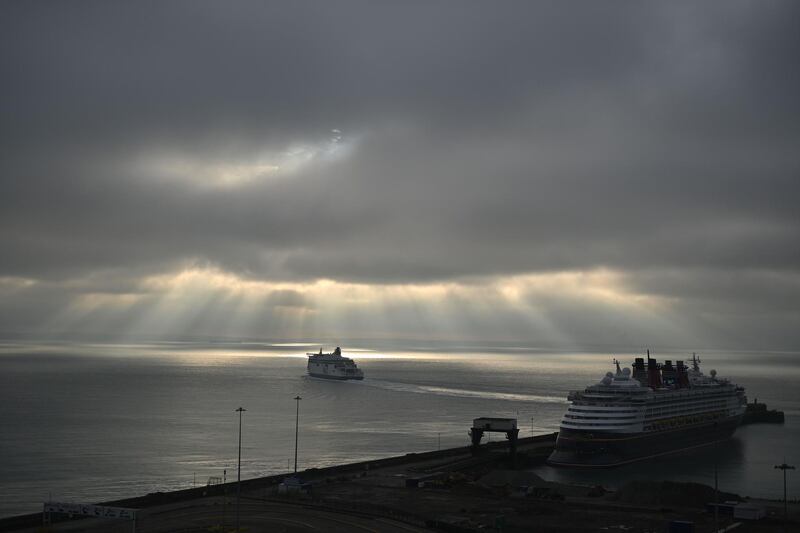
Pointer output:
653, 373
639, 371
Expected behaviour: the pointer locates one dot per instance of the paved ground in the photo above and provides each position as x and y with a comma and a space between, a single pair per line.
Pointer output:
208, 515
388, 498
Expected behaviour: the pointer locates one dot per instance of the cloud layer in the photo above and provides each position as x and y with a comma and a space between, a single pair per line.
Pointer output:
415, 144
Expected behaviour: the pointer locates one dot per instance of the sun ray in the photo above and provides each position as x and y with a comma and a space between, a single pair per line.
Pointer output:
210, 302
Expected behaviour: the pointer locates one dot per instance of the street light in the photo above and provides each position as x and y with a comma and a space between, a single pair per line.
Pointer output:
785, 467
240, 410
224, 495
296, 430
716, 484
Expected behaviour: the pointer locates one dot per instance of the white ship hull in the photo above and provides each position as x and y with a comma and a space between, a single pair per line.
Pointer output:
580, 448
331, 376
333, 366
627, 418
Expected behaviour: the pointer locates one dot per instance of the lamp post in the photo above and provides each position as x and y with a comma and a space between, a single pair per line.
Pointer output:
716, 493
785, 467
716, 485
224, 495
296, 430
240, 410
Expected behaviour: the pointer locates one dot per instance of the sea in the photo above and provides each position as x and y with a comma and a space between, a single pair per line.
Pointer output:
95, 422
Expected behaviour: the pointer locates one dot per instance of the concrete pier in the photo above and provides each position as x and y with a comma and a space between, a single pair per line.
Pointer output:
449, 490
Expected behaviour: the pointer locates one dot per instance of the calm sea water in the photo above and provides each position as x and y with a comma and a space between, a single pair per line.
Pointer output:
96, 422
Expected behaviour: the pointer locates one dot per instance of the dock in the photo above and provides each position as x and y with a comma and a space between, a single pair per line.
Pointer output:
457, 490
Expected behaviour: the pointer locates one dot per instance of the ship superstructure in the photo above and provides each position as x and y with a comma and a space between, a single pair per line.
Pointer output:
653, 410
333, 366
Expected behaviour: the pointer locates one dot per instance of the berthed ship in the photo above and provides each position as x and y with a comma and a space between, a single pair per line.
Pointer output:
655, 410
333, 366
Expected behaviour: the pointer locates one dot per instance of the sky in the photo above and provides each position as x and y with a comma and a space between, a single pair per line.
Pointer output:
553, 173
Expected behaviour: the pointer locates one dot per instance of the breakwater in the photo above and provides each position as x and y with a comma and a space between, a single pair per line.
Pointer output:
262, 483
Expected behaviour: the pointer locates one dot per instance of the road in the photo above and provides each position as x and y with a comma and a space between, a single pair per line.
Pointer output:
255, 517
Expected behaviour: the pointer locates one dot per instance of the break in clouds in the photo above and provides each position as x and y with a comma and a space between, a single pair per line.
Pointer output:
589, 172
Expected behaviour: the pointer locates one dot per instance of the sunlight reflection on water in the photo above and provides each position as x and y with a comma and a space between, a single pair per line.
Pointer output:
95, 421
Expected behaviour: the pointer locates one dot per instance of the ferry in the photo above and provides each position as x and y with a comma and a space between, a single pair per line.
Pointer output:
333, 366
654, 410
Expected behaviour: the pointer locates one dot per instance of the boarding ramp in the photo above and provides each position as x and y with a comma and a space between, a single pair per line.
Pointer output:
495, 425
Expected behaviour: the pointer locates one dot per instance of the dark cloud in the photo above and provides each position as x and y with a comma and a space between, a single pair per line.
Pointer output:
263, 69
478, 140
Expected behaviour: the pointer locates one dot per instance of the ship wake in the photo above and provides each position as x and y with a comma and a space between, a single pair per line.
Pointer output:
464, 393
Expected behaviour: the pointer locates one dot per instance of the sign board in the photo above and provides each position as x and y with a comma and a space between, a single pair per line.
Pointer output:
98, 511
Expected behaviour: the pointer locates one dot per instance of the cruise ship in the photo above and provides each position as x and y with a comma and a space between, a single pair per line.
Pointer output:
654, 410
333, 366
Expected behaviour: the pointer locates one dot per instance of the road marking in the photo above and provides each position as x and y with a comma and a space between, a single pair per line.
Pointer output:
295, 522
399, 525
351, 524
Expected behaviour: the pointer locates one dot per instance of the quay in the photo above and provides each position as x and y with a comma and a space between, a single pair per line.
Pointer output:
457, 490
156, 508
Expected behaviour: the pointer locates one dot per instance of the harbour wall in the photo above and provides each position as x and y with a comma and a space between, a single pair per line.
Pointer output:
162, 498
